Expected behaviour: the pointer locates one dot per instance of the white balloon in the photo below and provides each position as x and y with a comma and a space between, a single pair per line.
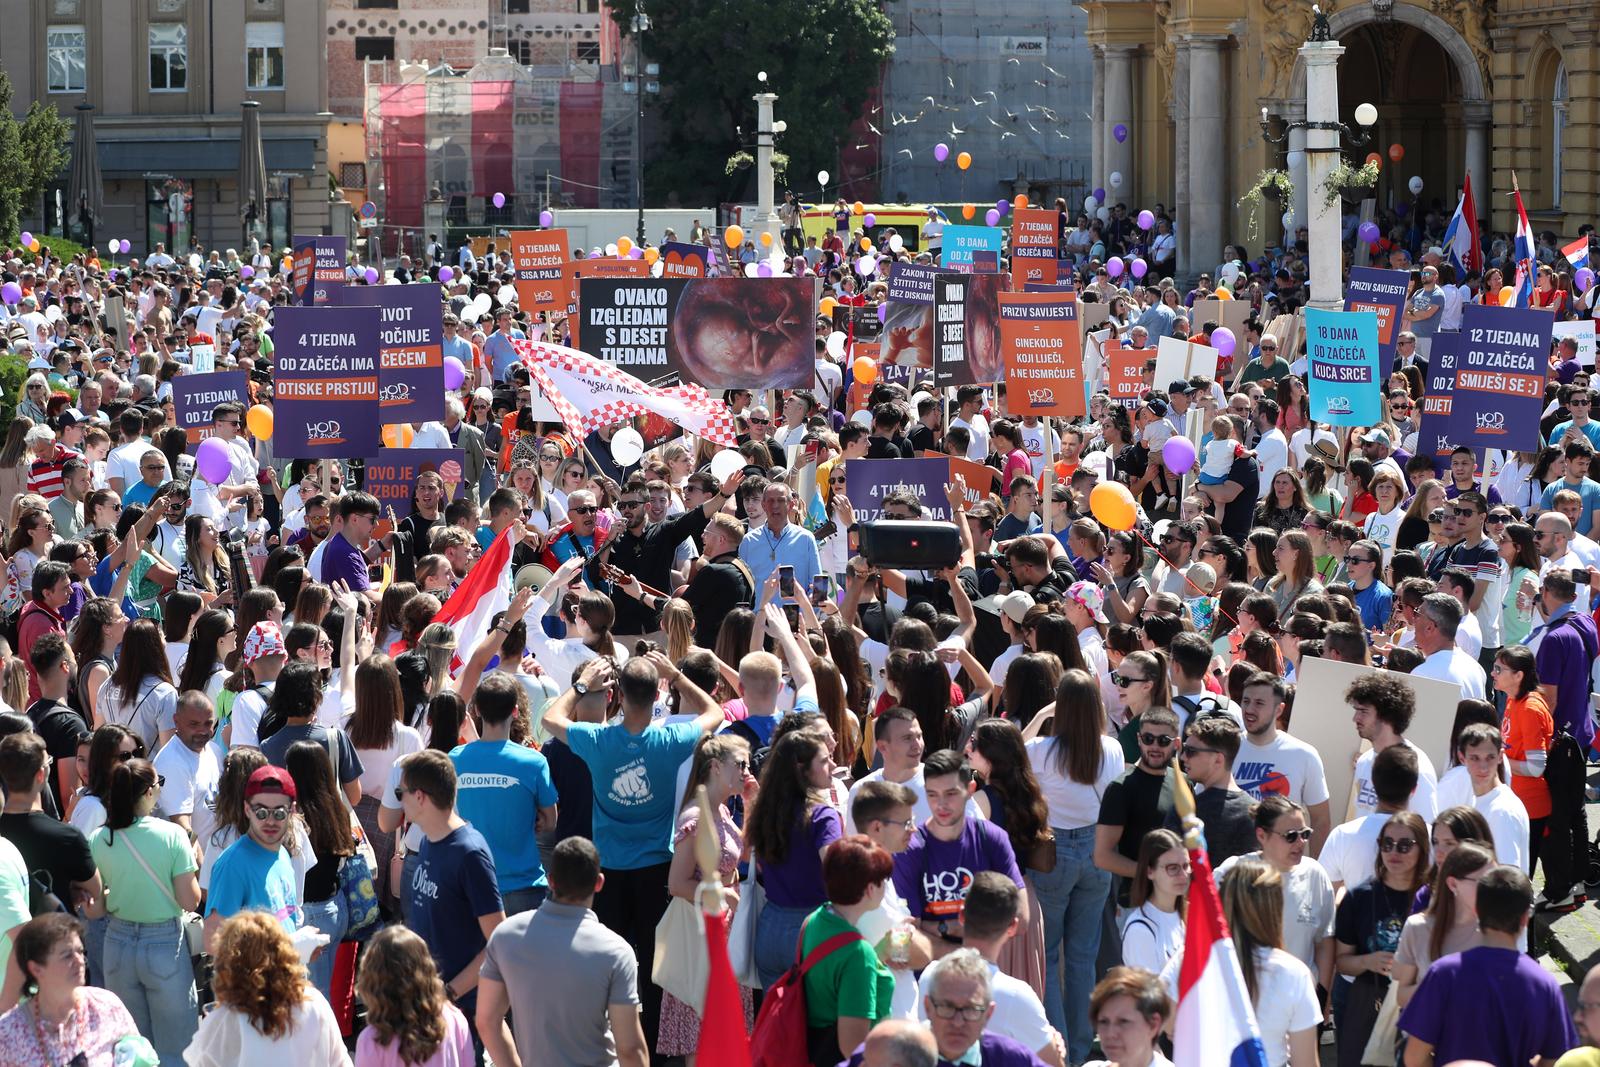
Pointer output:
836, 341
897, 243
506, 295
53, 312
611, 249
822, 177
1415, 185
750, 269
1288, 220
1103, 214
1115, 179
1366, 114
862, 418
725, 463
867, 266
627, 446
195, 260
1090, 203
112, 246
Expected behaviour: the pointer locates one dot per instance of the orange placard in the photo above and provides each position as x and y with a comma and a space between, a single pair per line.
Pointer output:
976, 479
1043, 356
1127, 371
1033, 247
596, 267
540, 259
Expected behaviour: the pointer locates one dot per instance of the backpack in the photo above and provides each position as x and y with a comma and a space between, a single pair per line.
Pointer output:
781, 1037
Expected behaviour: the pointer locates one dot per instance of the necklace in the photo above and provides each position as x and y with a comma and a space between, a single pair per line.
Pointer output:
38, 1033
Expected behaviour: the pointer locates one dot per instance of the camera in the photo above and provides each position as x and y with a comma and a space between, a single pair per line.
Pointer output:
990, 560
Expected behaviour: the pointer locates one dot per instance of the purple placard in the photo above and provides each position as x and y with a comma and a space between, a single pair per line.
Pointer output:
868, 481
1049, 287
1433, 430
410, 348
318, 268
325, 382
1499, 390
392, 474
1384, 292
195, 395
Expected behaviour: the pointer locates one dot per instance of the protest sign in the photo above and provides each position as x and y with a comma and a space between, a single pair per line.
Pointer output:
596, 267
1127, 372
985, 261
869, 481
908, 323
202, 359
1380, 291
967, 309
1049, 287
1043, 361
318, 268
325, 382
857, 323
960, 242
195, 395
539, 258
1499, 394
410, 349
391, 475
719, 333
1177, 359
679, 260
1581, 331
116, 318
977, 480
1033, 246
1342, 367
1433, 425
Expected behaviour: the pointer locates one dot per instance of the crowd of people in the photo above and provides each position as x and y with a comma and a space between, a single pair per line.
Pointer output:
259, 803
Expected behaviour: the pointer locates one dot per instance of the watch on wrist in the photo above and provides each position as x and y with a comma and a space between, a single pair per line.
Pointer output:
581, 688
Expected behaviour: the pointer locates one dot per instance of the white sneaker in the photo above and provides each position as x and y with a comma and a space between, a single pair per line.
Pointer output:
1162, 501
1542, 903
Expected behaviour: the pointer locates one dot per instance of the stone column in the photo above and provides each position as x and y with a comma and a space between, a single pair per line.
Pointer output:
1321, 59
1118, 109
1097, 124
1475, 116
1178, 111
1207, 159
1296, 161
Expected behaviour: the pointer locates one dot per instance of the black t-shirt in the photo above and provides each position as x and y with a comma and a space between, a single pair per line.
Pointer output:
1238, 513
60, 726
648, 556
1230, 831
1138, 802
570, 775
56, 854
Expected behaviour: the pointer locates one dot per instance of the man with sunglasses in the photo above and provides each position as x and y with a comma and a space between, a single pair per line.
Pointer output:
1579, 402
1140, 800
255, 872
1273, 763
646, 550
1177, 548
1210, 746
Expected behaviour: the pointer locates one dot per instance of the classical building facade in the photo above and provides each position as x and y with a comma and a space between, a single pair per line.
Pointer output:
1461, 87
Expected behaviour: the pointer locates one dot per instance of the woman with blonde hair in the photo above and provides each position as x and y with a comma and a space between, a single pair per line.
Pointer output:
1383, 525
410, 1020
205, 568
266, 1009
1296, 560
677, 622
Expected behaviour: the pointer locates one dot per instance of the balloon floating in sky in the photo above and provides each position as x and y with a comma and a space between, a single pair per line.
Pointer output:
964, 160
992, 217
941, 152
1120, 132
499, 200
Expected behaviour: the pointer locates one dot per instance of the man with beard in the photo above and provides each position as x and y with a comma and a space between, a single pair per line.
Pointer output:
1273, 763
722, 584
255, 872
1138, 802
578, 536
644, 550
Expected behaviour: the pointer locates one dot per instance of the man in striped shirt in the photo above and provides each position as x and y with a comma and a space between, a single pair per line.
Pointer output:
49, 456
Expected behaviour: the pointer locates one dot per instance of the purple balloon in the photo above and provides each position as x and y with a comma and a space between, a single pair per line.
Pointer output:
499, 200
1223, 340
883, 313
27, 238
114, 275
1120, 132
1100, 193
212, 460
1114, 266
1138, 267
869, 220
247, 271
123, 246
1368, 232
1583, 279
1147, 219
455, 372
546, 219
372, 275
446, 273
636, 253
941, 152
1002, 206
764, 270
992, 217
11, 293
1178, 453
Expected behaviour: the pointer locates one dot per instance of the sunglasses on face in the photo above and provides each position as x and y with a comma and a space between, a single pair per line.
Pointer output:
277, 814
1122, 681
629, 505
1269, 348
1194, 750
761, 422
586, 509
1156, 740
1401, 845
1497, 517
1351, 561
1292, 836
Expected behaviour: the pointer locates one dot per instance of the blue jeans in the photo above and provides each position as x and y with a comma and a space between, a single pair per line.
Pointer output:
517, 901
94, 948
777, 937
148, 968
1073, 899
332, 918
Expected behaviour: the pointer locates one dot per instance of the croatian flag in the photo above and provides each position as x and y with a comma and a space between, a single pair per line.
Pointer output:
1522, 252
1216, 1023
1461, 241
485, 593
1577, 253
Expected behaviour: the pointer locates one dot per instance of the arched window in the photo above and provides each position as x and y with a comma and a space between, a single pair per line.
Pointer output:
1558, 128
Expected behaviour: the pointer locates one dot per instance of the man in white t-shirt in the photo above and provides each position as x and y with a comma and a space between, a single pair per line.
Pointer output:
1272, 448
191, 766
264, 653
898, 738
882, 810
1271, 762
1480, 751
1040, 440
1383, 707
122, 464
1438, 620
1350, 855
969, 414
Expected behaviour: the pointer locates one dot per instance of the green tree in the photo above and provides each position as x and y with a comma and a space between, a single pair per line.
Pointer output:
32, 153
822, 58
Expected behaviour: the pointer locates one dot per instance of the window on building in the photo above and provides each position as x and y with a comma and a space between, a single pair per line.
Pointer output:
588, 51
1558, 132
66, 64
521, 50
366, 4
518, 7
169, 57
374, 47
263, 55
353, 175
589, 7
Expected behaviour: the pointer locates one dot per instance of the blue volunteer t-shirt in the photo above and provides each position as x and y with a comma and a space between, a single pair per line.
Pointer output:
500, 787
452, 886
635, 805
248, 877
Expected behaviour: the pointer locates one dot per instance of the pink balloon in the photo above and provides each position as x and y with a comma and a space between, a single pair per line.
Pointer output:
212, 460
1147, 219
1178, 454
1223, 340
454, 373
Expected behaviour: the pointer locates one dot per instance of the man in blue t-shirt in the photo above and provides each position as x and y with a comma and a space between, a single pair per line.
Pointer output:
504, 791
1579, 455
452, 902
635, 770
255, 871
497, 346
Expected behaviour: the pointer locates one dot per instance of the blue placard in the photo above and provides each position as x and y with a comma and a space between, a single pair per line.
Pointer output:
1342, 366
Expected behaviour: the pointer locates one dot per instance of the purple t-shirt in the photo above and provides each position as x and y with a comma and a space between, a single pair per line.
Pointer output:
1493, 1004
796, 882
343, 562
933, 876
994, 1050
1451, 491
1563, 659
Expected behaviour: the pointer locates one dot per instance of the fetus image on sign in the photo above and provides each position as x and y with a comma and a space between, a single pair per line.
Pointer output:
738, 333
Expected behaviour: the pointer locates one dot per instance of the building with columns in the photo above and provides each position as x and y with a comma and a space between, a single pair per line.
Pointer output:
1461, 86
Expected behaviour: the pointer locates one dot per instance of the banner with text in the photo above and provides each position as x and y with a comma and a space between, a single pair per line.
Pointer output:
194, 395
1043, 360
318, 268
597, 267
960, 242
1583, 335
680, 260
325, 382
1342, 367
1127, 372
1033, 246
391, 475
977, 480
410, 348
869, 481
539, 258
967, 310
1499, 393
908, 331
1433, 427
1384, 292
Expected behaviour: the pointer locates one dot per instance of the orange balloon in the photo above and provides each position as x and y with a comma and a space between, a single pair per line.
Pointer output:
968, 210
766, 239
624, 245
734, 236
866, 371
1507, 295
1396, 153
1021, 202
651, 255
858, 208
1113, 505
398, 435
1373, 157
866, 244
826, 305
964, 160
1223, 293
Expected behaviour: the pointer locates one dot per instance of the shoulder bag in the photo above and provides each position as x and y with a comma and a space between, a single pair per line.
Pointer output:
193, 926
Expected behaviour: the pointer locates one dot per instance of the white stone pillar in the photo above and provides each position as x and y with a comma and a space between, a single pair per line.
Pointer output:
1321, 59
1475, 117
1119, 109
1207, 158
1178, 111
766, 212
1296, 161
1097, 124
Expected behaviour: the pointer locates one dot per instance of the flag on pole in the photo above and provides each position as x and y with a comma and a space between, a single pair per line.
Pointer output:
1461, 241
723, 1040
485, 593
1216, 1022
1577, 253
1523, 252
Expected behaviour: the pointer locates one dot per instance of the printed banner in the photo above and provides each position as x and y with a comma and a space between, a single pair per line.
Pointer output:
985, 261
977, 480
1433, 427
857, 323
680, 260
967, 309
1127, 372
596, 267
1581, 331
1499, 393
410, 348
1033, 247
391, 475
318, 268
194, 395
1381, 291
869, 481
908, 324
1342, 366
539, 258
960, 242
1043, 360
325, 382
718, 333
203, 359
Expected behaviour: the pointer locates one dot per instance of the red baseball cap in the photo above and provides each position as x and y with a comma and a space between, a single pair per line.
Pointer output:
269, 780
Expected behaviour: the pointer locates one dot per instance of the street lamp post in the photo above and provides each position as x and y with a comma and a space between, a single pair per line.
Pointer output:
641, 25
766, 196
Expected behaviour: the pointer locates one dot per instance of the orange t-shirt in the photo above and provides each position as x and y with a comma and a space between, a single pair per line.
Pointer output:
1529, 725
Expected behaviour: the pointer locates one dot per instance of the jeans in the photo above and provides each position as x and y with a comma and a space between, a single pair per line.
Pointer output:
517, 901
777, 936
94, 948
1073, 899
332, 917
149, 969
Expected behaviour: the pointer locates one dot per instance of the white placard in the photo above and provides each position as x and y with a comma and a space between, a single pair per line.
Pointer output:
1177, 359
1581, 331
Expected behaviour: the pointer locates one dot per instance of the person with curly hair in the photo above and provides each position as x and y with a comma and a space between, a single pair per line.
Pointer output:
267, 1011
410, 1021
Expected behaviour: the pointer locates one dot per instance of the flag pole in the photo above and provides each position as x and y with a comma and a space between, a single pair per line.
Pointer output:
707, 851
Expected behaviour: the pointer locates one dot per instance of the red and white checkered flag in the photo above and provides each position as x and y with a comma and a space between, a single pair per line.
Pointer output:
589, 393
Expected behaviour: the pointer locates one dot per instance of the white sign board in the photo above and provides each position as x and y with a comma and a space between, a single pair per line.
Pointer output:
1581, 331
1177, 359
